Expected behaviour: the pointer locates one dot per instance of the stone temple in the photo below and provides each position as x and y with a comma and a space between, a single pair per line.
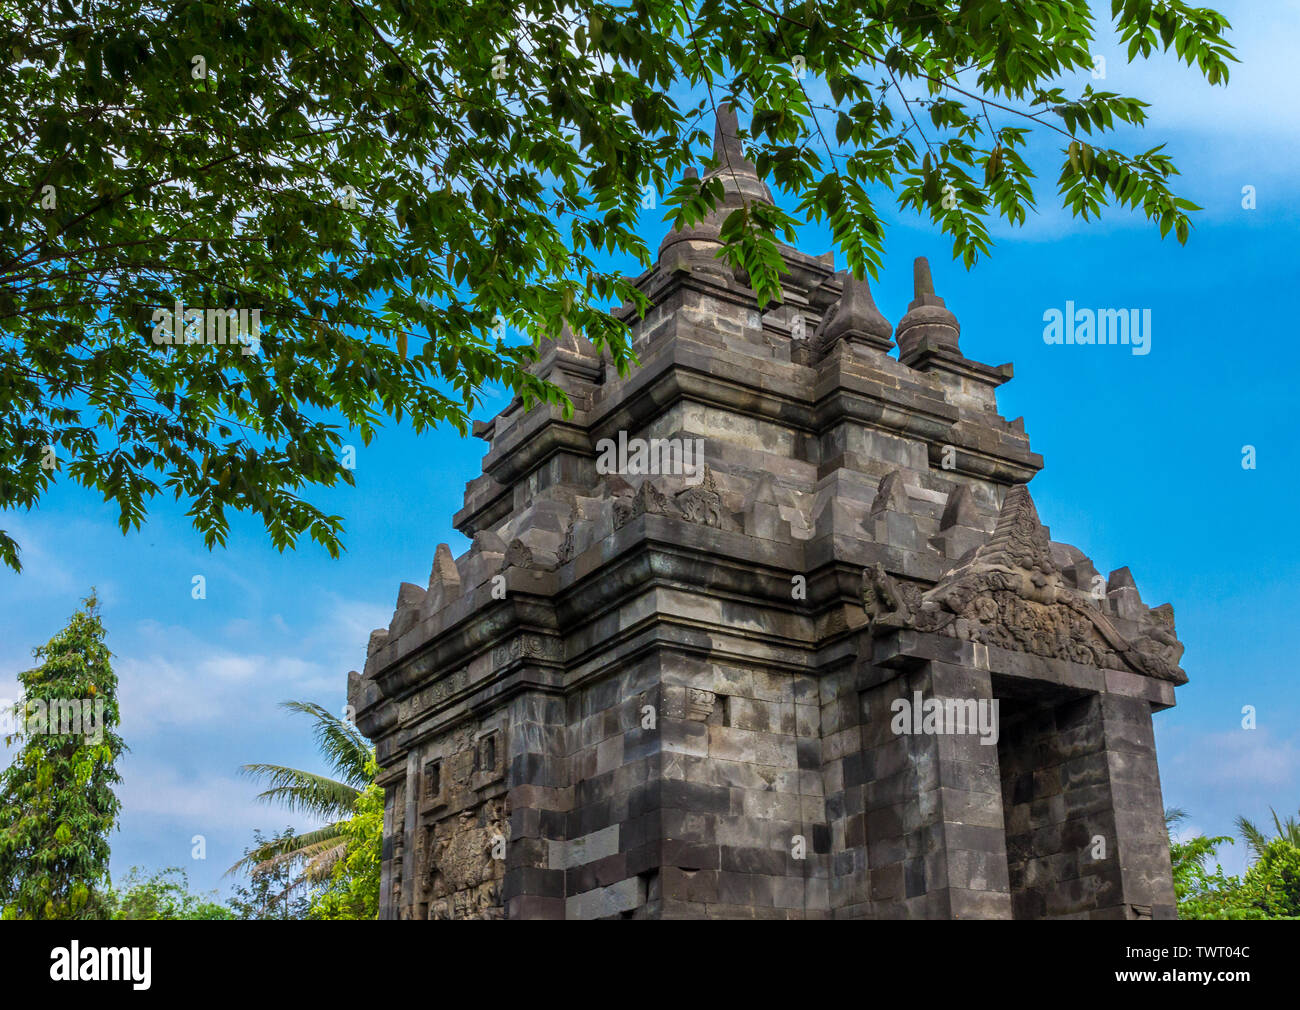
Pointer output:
769, 628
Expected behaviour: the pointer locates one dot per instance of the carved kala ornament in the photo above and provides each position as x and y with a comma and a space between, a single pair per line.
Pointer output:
1010, 594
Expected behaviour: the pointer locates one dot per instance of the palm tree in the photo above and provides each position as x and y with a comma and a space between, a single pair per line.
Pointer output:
1258, 841
349, 754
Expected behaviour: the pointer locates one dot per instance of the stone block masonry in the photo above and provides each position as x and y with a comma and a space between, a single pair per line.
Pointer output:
669, 692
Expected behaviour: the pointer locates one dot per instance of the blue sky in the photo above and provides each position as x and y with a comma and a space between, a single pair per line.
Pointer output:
1143, 468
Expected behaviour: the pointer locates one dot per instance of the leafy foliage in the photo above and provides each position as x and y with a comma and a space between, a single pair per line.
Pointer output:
414, 196
1274, 879
353, 888
1259, 842
164, 894
1270, 888
1205, 894
57, 806
273, 892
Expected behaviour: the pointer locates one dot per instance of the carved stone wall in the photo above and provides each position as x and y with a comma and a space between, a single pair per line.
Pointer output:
456, 826
463, 863
650, 694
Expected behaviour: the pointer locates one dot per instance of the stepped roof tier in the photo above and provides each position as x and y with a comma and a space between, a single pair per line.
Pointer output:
772, 509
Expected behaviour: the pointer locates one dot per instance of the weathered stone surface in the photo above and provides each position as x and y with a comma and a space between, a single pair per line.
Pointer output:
855, 320
829, 666
1011, 594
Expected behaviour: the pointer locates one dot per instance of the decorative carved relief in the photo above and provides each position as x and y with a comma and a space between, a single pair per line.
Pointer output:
519, 555
443, 688
699, 704
482, 902
1010, 594
565, 554
527, 646
622, 512
463, 863
396, 814
702, 503
650, 499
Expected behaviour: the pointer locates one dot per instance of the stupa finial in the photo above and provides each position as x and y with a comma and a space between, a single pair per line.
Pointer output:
737, 173
726, 137
928, 324
855, 318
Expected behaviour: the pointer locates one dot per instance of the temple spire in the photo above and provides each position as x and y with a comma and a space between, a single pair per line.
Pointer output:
698, 243
726, 138
928, 325
855, 318
922, 282
737, 173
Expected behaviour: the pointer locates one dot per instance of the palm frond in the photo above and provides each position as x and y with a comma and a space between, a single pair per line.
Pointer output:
342, 743
308, 855
302, 791
1288, 829
1255, 838
320, 866
318, 851
288, 849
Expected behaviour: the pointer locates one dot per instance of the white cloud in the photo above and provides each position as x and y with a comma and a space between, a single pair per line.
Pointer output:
44, 571
151, 788
179, 678
1247, 759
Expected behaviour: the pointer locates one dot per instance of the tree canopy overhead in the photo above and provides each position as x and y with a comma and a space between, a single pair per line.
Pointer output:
403, 199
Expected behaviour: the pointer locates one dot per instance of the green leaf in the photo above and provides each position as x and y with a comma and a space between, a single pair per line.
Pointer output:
483, 193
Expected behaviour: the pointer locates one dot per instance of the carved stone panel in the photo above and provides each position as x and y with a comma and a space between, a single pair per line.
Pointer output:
463, 863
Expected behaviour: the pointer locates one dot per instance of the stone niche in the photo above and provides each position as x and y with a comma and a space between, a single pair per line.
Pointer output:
461, 826
669, 692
